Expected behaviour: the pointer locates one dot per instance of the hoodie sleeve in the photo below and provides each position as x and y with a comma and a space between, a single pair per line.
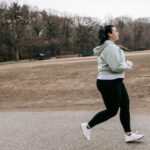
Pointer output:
115, 59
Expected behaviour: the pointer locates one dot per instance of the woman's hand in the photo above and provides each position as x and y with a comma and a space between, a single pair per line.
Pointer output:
129, 63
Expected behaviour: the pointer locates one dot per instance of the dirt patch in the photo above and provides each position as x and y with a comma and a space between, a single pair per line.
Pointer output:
68, 84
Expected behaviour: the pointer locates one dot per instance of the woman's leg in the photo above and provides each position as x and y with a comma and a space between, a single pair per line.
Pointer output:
125, 117
111, 94
124, 109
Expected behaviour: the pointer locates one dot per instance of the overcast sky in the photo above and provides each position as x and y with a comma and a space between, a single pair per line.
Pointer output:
94, 8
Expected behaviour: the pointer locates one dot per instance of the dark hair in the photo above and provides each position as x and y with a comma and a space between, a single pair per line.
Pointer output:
103, 33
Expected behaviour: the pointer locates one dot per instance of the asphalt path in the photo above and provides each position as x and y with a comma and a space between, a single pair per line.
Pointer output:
60, 130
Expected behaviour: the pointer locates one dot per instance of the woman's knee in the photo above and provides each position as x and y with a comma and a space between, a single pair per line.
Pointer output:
112, 113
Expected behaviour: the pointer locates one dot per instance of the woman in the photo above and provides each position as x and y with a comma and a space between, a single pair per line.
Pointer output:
111, 67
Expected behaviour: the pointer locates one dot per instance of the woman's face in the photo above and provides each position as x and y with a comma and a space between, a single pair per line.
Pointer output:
114, 36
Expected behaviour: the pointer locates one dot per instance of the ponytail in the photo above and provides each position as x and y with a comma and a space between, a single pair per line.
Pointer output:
103, 33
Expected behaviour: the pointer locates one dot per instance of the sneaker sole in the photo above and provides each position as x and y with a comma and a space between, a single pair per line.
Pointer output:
134, 140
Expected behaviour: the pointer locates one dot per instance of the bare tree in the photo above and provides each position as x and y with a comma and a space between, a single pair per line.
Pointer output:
86, 33
17, 21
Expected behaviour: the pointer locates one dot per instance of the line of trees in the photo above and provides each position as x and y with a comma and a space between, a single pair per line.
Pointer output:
26, 32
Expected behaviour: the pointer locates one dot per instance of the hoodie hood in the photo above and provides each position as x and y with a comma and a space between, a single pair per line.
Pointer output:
97, 50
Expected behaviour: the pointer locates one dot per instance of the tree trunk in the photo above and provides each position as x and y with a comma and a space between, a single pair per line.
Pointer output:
17, 54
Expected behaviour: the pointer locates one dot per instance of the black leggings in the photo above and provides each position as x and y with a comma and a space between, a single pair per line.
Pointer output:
115, 96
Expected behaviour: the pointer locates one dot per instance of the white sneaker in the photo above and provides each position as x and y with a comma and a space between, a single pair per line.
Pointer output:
133, 137
86, 131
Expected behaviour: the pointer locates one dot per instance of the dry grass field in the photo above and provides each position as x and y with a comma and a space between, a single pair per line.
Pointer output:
68, 84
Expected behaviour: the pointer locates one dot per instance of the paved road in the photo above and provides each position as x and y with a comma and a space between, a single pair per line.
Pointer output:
61, 131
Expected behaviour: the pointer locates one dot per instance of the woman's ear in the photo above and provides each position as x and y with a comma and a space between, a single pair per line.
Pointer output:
109, 35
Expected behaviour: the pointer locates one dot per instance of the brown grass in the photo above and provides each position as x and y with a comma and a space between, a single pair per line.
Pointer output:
68, 84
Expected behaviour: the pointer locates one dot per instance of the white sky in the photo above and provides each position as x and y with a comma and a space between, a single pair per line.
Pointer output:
94, 8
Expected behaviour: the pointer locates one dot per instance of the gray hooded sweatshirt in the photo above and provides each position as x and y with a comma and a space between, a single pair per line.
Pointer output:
111, 61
